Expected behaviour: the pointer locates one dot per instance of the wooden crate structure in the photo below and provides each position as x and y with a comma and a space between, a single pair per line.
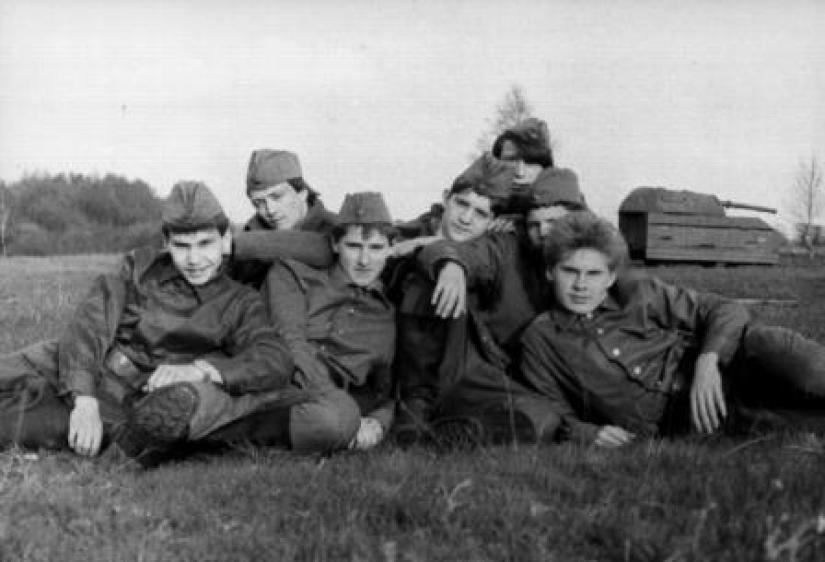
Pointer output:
662, 225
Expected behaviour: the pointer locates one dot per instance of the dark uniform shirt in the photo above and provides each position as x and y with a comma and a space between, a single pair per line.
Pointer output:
506, 285
620, 364
340, 333
153, 316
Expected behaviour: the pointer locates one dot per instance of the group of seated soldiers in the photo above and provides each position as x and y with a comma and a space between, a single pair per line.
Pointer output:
505, 314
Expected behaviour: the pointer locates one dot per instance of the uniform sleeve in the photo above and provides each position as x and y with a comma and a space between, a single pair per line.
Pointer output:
482, 258
310, 248
288, 304
546, 372
255, 358
716, 322
84, 343
383, 373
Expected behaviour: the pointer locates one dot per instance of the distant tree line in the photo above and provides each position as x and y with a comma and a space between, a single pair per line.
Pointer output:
45, 214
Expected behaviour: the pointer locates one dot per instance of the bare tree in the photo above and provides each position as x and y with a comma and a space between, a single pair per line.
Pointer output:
513, 109
808, 199
5, 213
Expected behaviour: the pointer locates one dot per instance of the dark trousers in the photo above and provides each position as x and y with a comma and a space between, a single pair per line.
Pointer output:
778, 376
442, 372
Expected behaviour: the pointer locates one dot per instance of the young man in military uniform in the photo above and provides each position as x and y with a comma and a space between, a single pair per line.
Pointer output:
283, 201
621, 356
340, 326
165, 350
486, 291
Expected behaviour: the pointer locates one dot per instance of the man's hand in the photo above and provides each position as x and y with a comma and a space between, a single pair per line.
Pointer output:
173, 374
369, 434
450, 294
501, 224
85, 426
612, 436
707, 399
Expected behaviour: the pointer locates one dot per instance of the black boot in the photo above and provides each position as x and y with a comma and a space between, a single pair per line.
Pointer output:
157, 423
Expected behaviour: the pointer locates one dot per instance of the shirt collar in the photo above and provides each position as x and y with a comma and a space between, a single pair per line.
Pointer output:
340, 279
565, 320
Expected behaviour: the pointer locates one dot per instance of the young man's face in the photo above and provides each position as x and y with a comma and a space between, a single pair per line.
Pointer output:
197, 255
540, 221
280, 206
466, 215
526, 173
362, 258
581, 280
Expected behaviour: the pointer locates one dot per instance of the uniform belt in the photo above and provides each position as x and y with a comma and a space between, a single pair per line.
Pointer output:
121, 377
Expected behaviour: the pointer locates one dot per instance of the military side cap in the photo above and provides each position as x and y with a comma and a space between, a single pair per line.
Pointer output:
191, 205
488, 176
271, 167
366, 207
556, 186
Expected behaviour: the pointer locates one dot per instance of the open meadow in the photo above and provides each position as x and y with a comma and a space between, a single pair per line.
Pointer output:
711, 498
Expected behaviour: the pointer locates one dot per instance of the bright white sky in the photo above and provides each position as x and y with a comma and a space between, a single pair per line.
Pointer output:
722, 97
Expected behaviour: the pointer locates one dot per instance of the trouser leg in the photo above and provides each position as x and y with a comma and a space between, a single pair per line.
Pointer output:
778, 379
167, 417
508, 410
31, 413
33, 416
780, 364
326, 423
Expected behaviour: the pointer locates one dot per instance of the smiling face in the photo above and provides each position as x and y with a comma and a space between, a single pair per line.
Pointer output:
197, 255
362, 257
581, 280
280, 206
526, 173
466, 215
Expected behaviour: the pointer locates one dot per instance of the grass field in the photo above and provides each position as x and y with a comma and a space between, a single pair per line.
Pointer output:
711, 498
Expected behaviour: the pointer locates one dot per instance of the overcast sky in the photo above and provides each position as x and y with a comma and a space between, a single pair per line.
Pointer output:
722, 97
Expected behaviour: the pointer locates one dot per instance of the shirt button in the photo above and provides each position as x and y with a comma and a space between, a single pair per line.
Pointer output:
637, 370
617, 352
600, 331
352, 311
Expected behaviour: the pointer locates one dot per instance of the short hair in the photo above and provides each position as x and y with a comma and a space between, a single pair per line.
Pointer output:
499, 198
299, 184
583, 230
367, 230
529, 151
221, 222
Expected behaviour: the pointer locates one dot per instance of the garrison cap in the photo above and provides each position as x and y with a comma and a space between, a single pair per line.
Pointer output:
488, 177
191, 205
271, 167
556, 186
366, 207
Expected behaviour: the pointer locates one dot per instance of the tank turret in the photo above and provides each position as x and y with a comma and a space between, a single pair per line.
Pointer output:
664, 225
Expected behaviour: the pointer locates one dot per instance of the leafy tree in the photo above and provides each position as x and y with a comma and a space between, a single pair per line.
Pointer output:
75, 213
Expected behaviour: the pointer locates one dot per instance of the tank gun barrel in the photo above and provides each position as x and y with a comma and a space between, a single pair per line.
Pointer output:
734, 205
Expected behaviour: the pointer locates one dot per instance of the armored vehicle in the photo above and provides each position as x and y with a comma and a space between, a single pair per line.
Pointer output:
667, 226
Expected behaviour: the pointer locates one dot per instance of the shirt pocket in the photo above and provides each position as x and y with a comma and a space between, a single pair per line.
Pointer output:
650, 357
